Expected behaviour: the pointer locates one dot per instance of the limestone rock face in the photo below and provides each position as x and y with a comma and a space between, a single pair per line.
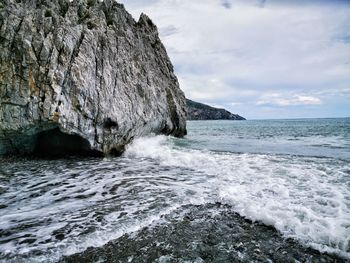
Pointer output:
82, 77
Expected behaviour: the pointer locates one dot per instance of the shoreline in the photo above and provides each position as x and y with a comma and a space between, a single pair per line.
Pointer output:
203, 233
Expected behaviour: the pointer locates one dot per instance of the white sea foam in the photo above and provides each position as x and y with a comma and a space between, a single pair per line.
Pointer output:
63, 207
305, 198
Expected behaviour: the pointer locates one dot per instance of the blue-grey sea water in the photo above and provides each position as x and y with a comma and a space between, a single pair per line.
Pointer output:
304, 137
290, 174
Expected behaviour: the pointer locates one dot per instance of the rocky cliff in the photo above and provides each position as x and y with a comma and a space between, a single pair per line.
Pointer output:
82, 77
200, 111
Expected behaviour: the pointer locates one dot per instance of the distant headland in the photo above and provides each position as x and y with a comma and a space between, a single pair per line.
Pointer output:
200, 111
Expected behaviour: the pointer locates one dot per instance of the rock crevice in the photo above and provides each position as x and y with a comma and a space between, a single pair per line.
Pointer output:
86, 69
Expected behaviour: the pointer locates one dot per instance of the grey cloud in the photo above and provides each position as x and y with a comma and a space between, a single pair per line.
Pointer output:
228, 51
226, 3
168, 31
261, 3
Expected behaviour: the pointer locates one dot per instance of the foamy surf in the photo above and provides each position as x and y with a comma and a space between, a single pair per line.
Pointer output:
305, 198
52, 210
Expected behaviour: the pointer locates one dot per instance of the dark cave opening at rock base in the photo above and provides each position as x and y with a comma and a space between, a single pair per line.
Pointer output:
57, 144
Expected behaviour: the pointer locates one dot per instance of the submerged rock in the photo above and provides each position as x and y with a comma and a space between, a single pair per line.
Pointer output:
82, 77
200, 111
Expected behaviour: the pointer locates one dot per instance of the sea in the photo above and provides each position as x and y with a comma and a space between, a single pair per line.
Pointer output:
203, 198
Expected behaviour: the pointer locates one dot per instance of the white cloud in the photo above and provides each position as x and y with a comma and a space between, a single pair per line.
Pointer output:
295, 100
251, 47
206, 88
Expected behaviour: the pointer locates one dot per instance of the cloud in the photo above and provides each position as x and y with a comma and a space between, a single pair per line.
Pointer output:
295, 100
168, 31
213, 90
227, 4
261, 3
243, 52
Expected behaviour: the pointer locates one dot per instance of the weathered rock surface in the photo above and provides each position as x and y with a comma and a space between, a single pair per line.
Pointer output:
200, 111
82, 77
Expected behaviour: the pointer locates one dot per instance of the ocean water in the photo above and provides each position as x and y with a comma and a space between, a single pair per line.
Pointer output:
293, 175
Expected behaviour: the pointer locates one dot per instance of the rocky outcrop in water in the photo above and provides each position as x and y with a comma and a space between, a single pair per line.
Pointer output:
82, 78
200, 111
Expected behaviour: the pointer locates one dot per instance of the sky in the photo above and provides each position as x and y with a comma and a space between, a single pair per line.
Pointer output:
262, 59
